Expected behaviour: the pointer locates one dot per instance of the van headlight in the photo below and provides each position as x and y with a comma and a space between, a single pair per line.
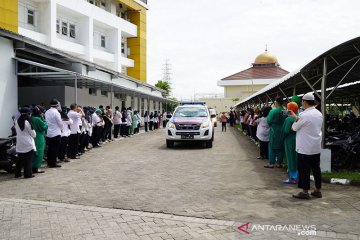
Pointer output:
171, 125
205, 125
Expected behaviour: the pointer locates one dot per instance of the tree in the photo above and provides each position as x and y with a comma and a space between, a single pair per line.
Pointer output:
164, 85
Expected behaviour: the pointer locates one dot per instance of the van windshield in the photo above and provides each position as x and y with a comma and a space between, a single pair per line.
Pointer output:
190, 112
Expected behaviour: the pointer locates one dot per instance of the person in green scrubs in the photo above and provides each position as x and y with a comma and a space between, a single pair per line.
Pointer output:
40, 128
289, 144
276, 120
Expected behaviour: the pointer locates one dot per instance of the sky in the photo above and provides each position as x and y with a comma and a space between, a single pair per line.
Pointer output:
207, 40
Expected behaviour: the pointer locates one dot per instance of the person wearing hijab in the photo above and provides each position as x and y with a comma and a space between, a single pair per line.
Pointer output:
135, 122
40, 128
97, 123
25, 144
146, 121
65, 133
151, 121
290, 145
156, 120
117, 122
55, 127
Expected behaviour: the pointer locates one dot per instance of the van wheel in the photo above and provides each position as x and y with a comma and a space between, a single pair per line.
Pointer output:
209, 144
169, 143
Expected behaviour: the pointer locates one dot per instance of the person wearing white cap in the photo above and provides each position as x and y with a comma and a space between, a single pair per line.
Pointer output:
308, 127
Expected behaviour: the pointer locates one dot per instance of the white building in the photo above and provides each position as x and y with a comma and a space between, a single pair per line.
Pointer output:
89, 52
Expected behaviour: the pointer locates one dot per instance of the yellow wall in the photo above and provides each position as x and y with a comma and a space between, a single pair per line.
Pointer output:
137, 45
220, 104
9, 15
241, 92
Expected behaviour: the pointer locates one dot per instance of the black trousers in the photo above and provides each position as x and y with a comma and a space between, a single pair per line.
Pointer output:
85, 143
116, 130
73, 145
223, 126
95, 137
63, 147
146, 126
53, 150
81, 140
122, 129
151, 123
126, 130
24, 160
107, 131
305, 164
264, 149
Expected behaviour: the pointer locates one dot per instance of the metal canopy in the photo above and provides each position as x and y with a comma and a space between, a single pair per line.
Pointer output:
340, 64
32, 73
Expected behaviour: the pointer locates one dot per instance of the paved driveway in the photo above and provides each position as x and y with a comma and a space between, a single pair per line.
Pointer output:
225, 183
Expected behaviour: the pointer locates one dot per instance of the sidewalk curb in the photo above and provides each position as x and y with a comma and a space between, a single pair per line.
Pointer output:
338, 181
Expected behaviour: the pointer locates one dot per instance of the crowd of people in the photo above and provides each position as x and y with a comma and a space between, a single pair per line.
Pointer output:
292, 133
60, 134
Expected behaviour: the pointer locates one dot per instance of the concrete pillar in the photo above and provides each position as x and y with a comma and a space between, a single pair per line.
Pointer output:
8, 87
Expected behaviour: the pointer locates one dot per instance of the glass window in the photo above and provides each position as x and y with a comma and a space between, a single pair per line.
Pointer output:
72, 31
58, 25
30, 17
103, 41
64, 28
103, 3
190, 112
92, 1
92, 91
104, 93
123, 48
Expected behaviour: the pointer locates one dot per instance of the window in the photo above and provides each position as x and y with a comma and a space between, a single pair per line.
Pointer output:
30, 17
92, 1
103, 41
123, 48
92, 91
72, 31
64, 28
103, 3
104, 93
57, 25
128, 51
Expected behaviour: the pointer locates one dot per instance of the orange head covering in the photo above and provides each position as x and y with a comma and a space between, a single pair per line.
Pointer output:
293, 107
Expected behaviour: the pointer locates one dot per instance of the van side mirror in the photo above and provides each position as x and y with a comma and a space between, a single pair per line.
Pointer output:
213, 115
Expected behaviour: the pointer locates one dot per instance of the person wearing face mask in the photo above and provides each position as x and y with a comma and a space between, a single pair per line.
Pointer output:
25, 144
55, 127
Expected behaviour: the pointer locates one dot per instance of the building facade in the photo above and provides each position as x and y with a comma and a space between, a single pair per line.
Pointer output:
92, 52
263, 71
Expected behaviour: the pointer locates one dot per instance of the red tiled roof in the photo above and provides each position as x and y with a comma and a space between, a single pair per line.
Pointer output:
258, 73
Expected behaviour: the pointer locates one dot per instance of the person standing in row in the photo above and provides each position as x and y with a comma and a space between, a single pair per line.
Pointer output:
289, 144
97, 123
40, 128
308, 127
146, 121
156, 120
25, 144
135, 122
276, 145
117, 122
151, 121
123, 122
64, 135
75, 114
262, 133
55, 126
128, 130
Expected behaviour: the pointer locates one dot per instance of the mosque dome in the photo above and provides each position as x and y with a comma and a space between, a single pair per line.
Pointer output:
266, 58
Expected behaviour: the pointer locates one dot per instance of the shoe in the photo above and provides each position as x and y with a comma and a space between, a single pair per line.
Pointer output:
260, 157
96, 146
279, 166
30, 176
66, 160
269, 166
17, 176
289, 181
39, 171
316, 194
302, 195
77, 157
55, 166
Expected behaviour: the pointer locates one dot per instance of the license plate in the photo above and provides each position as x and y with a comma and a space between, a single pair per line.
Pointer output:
187, 136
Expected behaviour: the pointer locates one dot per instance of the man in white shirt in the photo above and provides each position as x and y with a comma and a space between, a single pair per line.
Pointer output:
308, 127
75, 114
97, 123
55, 126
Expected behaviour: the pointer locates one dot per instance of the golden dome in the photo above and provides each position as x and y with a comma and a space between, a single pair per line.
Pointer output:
266, 58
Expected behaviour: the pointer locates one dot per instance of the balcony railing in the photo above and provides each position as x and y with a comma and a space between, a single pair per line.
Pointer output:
144, 1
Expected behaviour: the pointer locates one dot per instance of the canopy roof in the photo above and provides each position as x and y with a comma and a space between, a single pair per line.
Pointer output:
339, 65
